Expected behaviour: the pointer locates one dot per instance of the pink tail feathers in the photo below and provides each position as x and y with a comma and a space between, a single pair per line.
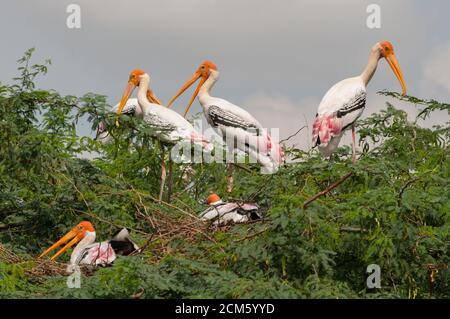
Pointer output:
273, 149
200, 139
324, 128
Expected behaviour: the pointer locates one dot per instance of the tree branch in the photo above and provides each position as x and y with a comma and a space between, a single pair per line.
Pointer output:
293, 135
329, 189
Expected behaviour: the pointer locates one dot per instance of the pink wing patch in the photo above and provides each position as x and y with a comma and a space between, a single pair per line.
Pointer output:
272, 148
195, 138
101, 254
324, 128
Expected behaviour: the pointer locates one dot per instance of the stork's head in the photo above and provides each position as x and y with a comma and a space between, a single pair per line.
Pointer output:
135, 76
213, 199
205, 68
76, 234
203, 72
133, 81
386, 50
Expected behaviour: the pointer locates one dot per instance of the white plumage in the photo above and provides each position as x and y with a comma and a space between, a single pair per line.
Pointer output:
221, 213
236, 126
341, 106
131, 108
87, 252
344, 103
171, 127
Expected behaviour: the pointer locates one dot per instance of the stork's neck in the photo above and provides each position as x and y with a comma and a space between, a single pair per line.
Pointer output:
371, 67
209, 83
88, 239
143, 101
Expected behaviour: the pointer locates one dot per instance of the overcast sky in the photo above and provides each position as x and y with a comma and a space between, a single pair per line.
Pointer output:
277, 58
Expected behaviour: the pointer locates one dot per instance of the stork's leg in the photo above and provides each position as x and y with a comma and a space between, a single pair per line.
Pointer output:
163, 174
230, 177
169, 186
353, 144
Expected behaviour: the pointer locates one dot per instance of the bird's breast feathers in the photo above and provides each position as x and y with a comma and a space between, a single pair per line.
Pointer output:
341, 94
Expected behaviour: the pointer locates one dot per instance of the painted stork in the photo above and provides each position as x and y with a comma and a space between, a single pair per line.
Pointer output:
87, 252
344, 103
233, 123
170, 127
222, 213
131, 108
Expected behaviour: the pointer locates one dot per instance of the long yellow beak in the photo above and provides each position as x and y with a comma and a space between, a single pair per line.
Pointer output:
392, 60
194, 78
126, 95
76, 235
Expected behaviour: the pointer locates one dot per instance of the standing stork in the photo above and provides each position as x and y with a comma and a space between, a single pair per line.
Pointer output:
344, 103
170, 127
232, 122
87, 252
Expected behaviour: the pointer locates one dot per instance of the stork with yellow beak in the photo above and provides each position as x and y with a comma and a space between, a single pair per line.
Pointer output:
169, 126
131, 108
221, 213
87, 252
236, 126
344, 103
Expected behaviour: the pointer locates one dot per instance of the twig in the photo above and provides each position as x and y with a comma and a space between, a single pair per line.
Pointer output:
242, 167
149, 240
400, 195
78, 191
265, 184
170, 205
329, 189
108, 222
293, 135
251, 236
163, 202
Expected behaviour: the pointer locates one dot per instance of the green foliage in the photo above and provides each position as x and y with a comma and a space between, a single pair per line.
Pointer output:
393, 211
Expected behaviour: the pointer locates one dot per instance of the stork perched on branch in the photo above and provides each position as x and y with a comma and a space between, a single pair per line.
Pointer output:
344, 103
232, 122
170, 127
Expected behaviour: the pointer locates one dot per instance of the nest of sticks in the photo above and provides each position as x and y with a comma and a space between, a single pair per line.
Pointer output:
36, 269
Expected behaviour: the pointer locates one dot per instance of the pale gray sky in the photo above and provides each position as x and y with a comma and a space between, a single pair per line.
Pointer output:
277, 58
